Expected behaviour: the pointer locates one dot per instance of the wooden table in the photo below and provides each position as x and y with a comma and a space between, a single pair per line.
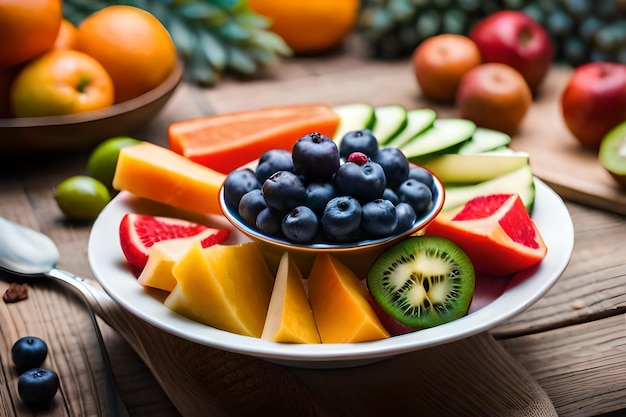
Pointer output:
573, 341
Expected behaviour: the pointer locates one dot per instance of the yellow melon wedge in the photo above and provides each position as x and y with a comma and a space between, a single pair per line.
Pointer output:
161, 259
157, 173
223, 286
289, 317
339, 302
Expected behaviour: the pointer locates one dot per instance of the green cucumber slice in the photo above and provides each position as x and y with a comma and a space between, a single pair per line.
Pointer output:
390, 121
443, 137
418, 120
520, 181
457, 168
355, 116
485, 140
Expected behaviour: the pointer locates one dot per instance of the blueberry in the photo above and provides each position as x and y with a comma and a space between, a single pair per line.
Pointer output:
394, 163
272, 161
29, 352
318, 194
250, 205
379, 218
406, 217
37, 387
364, 182
391, 195
416, 194
358, 141
421, 174
341, 219
237, 183
300, 225
284, 191
269, 222
316, 157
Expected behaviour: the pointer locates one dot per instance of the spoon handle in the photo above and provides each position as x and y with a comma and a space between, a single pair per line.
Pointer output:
93, 298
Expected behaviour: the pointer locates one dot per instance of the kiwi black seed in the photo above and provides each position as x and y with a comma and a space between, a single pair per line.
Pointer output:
423, 281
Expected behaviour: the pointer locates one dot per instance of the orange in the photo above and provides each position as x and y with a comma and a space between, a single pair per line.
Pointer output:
440, 62
66, 38
61, 82
132, 45
309, 27
27, 29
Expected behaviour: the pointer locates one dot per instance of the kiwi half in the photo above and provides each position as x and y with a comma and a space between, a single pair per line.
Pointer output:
423, 281
612, 153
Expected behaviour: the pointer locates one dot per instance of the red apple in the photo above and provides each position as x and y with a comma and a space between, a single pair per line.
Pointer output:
494, 96
514, 38
594, 101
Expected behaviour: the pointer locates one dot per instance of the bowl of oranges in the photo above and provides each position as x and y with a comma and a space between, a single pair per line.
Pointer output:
66, 86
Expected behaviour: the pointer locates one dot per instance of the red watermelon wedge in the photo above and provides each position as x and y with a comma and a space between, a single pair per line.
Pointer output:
495, 231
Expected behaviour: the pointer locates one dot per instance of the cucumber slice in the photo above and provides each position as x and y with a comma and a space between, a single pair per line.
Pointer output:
443, 137
417, 121
520, 181
390, 120
457, 168
485, 140
354, 117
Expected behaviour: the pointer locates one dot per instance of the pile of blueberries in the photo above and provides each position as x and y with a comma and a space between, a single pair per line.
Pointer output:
324, 193
36, 386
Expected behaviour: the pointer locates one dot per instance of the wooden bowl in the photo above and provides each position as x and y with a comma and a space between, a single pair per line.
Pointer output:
85, 130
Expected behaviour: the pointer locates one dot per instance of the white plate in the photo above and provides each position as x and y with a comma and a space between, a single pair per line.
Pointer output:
493, 304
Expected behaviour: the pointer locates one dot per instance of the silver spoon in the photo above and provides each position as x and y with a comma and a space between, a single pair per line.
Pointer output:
26, 252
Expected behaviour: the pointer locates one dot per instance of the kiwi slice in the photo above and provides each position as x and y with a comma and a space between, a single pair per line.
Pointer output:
423, 281
612, 153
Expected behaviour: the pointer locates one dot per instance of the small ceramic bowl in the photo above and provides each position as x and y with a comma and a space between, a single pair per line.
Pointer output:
85, 130
358, 256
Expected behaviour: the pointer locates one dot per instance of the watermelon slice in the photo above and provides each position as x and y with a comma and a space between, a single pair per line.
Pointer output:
138, 232
495, 231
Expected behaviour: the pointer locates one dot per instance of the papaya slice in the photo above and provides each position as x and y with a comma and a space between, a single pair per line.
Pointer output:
495, 231
228, 141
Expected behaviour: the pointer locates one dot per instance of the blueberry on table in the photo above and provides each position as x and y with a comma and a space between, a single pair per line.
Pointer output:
341, 219
238, 183
270, 222
365, 182
37, 387
358, 141
417, 194
406, 217
318, 194
316, 157
250, 205
421, 174
378, 218
29, 352
272, 161
300, 225
284, 191
394, 164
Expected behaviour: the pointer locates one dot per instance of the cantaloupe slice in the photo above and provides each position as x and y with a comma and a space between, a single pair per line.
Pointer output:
161, 259
227, 141
224, 286
156, 173
339, 302
289, 317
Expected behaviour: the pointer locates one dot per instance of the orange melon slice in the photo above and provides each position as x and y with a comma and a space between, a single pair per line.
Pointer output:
223, 286
340, 307
495, 231
289, 316
228, 141
156, 173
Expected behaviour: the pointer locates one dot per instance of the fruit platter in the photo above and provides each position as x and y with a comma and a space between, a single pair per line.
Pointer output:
350, 318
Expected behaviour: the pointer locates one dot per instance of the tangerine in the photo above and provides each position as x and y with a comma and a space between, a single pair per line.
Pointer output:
66, 38
27, 29
132, 45
309, 27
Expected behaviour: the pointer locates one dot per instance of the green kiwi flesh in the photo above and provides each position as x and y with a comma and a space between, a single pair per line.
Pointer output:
423, 281
612, 153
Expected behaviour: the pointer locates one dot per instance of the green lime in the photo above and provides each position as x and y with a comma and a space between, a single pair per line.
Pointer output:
81, 197
103, 160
